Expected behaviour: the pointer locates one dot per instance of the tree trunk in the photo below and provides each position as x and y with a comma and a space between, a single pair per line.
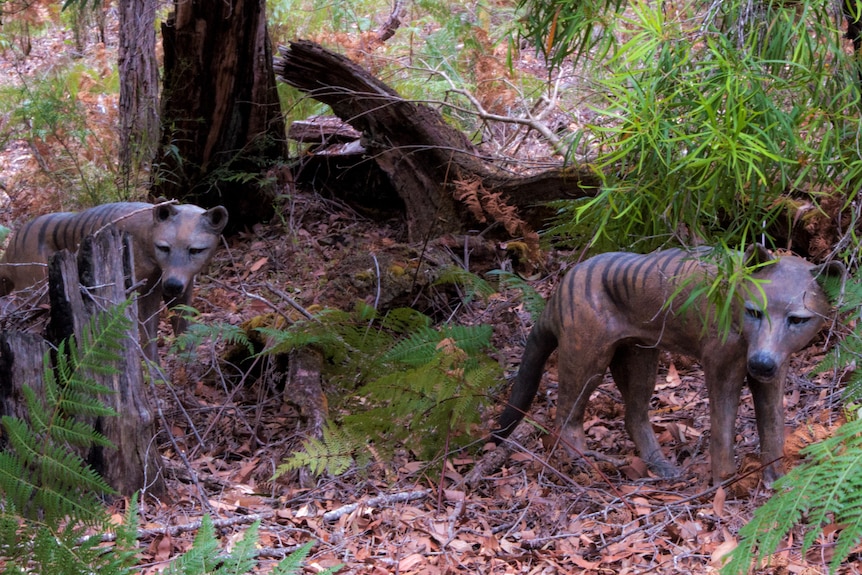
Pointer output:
105, 263
139, 92
221, 118
441, 177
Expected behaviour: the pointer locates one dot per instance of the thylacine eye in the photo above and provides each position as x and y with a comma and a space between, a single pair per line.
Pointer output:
753, 313
164, 249
797, 319
196, 251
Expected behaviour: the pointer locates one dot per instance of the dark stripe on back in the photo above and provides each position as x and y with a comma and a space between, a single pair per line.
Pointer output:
44, 224
588, 268
613, 278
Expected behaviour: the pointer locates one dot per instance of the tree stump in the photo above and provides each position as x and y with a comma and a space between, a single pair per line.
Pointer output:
221, 114
106, 266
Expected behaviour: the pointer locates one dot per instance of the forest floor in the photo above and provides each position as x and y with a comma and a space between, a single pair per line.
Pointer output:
538, 514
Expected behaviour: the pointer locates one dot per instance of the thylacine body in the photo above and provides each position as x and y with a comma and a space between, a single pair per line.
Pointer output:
611, 311
171, 244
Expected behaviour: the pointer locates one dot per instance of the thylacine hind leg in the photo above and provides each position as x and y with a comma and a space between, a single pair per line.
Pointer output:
579, 376
634, 370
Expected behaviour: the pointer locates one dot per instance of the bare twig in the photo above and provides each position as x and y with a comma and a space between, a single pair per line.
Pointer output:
379, 501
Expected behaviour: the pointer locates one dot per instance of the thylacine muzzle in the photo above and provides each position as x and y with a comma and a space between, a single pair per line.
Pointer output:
610, 311
171, 243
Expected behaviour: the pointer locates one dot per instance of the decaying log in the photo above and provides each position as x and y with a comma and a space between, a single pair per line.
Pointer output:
304, 389
105, 264
429, 163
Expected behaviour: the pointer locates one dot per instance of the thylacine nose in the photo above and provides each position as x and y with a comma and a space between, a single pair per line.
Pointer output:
762, 365
173, 287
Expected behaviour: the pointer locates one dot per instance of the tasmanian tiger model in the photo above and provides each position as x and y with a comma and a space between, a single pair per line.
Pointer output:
172, 243
610, 311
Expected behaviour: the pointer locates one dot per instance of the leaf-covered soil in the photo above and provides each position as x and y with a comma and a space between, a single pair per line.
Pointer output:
538, 514
228, 431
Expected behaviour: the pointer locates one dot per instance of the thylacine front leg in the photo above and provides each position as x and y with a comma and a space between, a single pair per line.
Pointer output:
724, 374
769, 410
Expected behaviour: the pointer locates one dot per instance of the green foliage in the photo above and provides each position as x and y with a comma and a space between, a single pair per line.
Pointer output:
52, 513
72, 148
533, 300
729, 284
848, 349
40, 474
203, 557
826, 489
333, 454
417, 385
437, 46
51, 496
185, 344
706, 119
474, 285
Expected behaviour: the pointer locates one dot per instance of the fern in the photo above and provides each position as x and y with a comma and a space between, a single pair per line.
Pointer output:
420, 386
825, 490
472, 284
51, 496
203, 557
334, 454
40, 475
184, 345
533, 300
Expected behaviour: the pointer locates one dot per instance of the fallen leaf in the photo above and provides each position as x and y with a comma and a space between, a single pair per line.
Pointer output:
258, 264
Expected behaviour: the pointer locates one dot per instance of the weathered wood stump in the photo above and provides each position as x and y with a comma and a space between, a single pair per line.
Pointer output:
104, 264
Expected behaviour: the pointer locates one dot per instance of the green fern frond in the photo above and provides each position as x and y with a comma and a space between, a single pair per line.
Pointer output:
186, 343
203, 555
102, 338
405, 320
824, 490
333, 454
291, 564
533, 300
242, 558
472, 284
417, 382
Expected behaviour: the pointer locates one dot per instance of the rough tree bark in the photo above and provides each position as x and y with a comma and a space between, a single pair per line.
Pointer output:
434, 167
220, 110
105, 263
139, 91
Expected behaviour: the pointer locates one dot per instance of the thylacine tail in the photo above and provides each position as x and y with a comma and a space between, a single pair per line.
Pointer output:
540, 344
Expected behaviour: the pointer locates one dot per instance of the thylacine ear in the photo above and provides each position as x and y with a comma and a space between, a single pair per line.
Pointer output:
831, 270
164, 212
217, 218
756, 255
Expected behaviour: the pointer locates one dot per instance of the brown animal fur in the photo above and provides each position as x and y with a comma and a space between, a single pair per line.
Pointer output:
172, 244
610, 311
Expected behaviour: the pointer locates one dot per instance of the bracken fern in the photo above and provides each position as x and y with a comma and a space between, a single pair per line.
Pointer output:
420, 386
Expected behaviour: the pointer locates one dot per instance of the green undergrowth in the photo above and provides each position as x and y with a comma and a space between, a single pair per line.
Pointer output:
415, 384
53, 519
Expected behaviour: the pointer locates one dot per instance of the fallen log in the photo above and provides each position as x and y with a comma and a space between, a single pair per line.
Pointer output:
446, 184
